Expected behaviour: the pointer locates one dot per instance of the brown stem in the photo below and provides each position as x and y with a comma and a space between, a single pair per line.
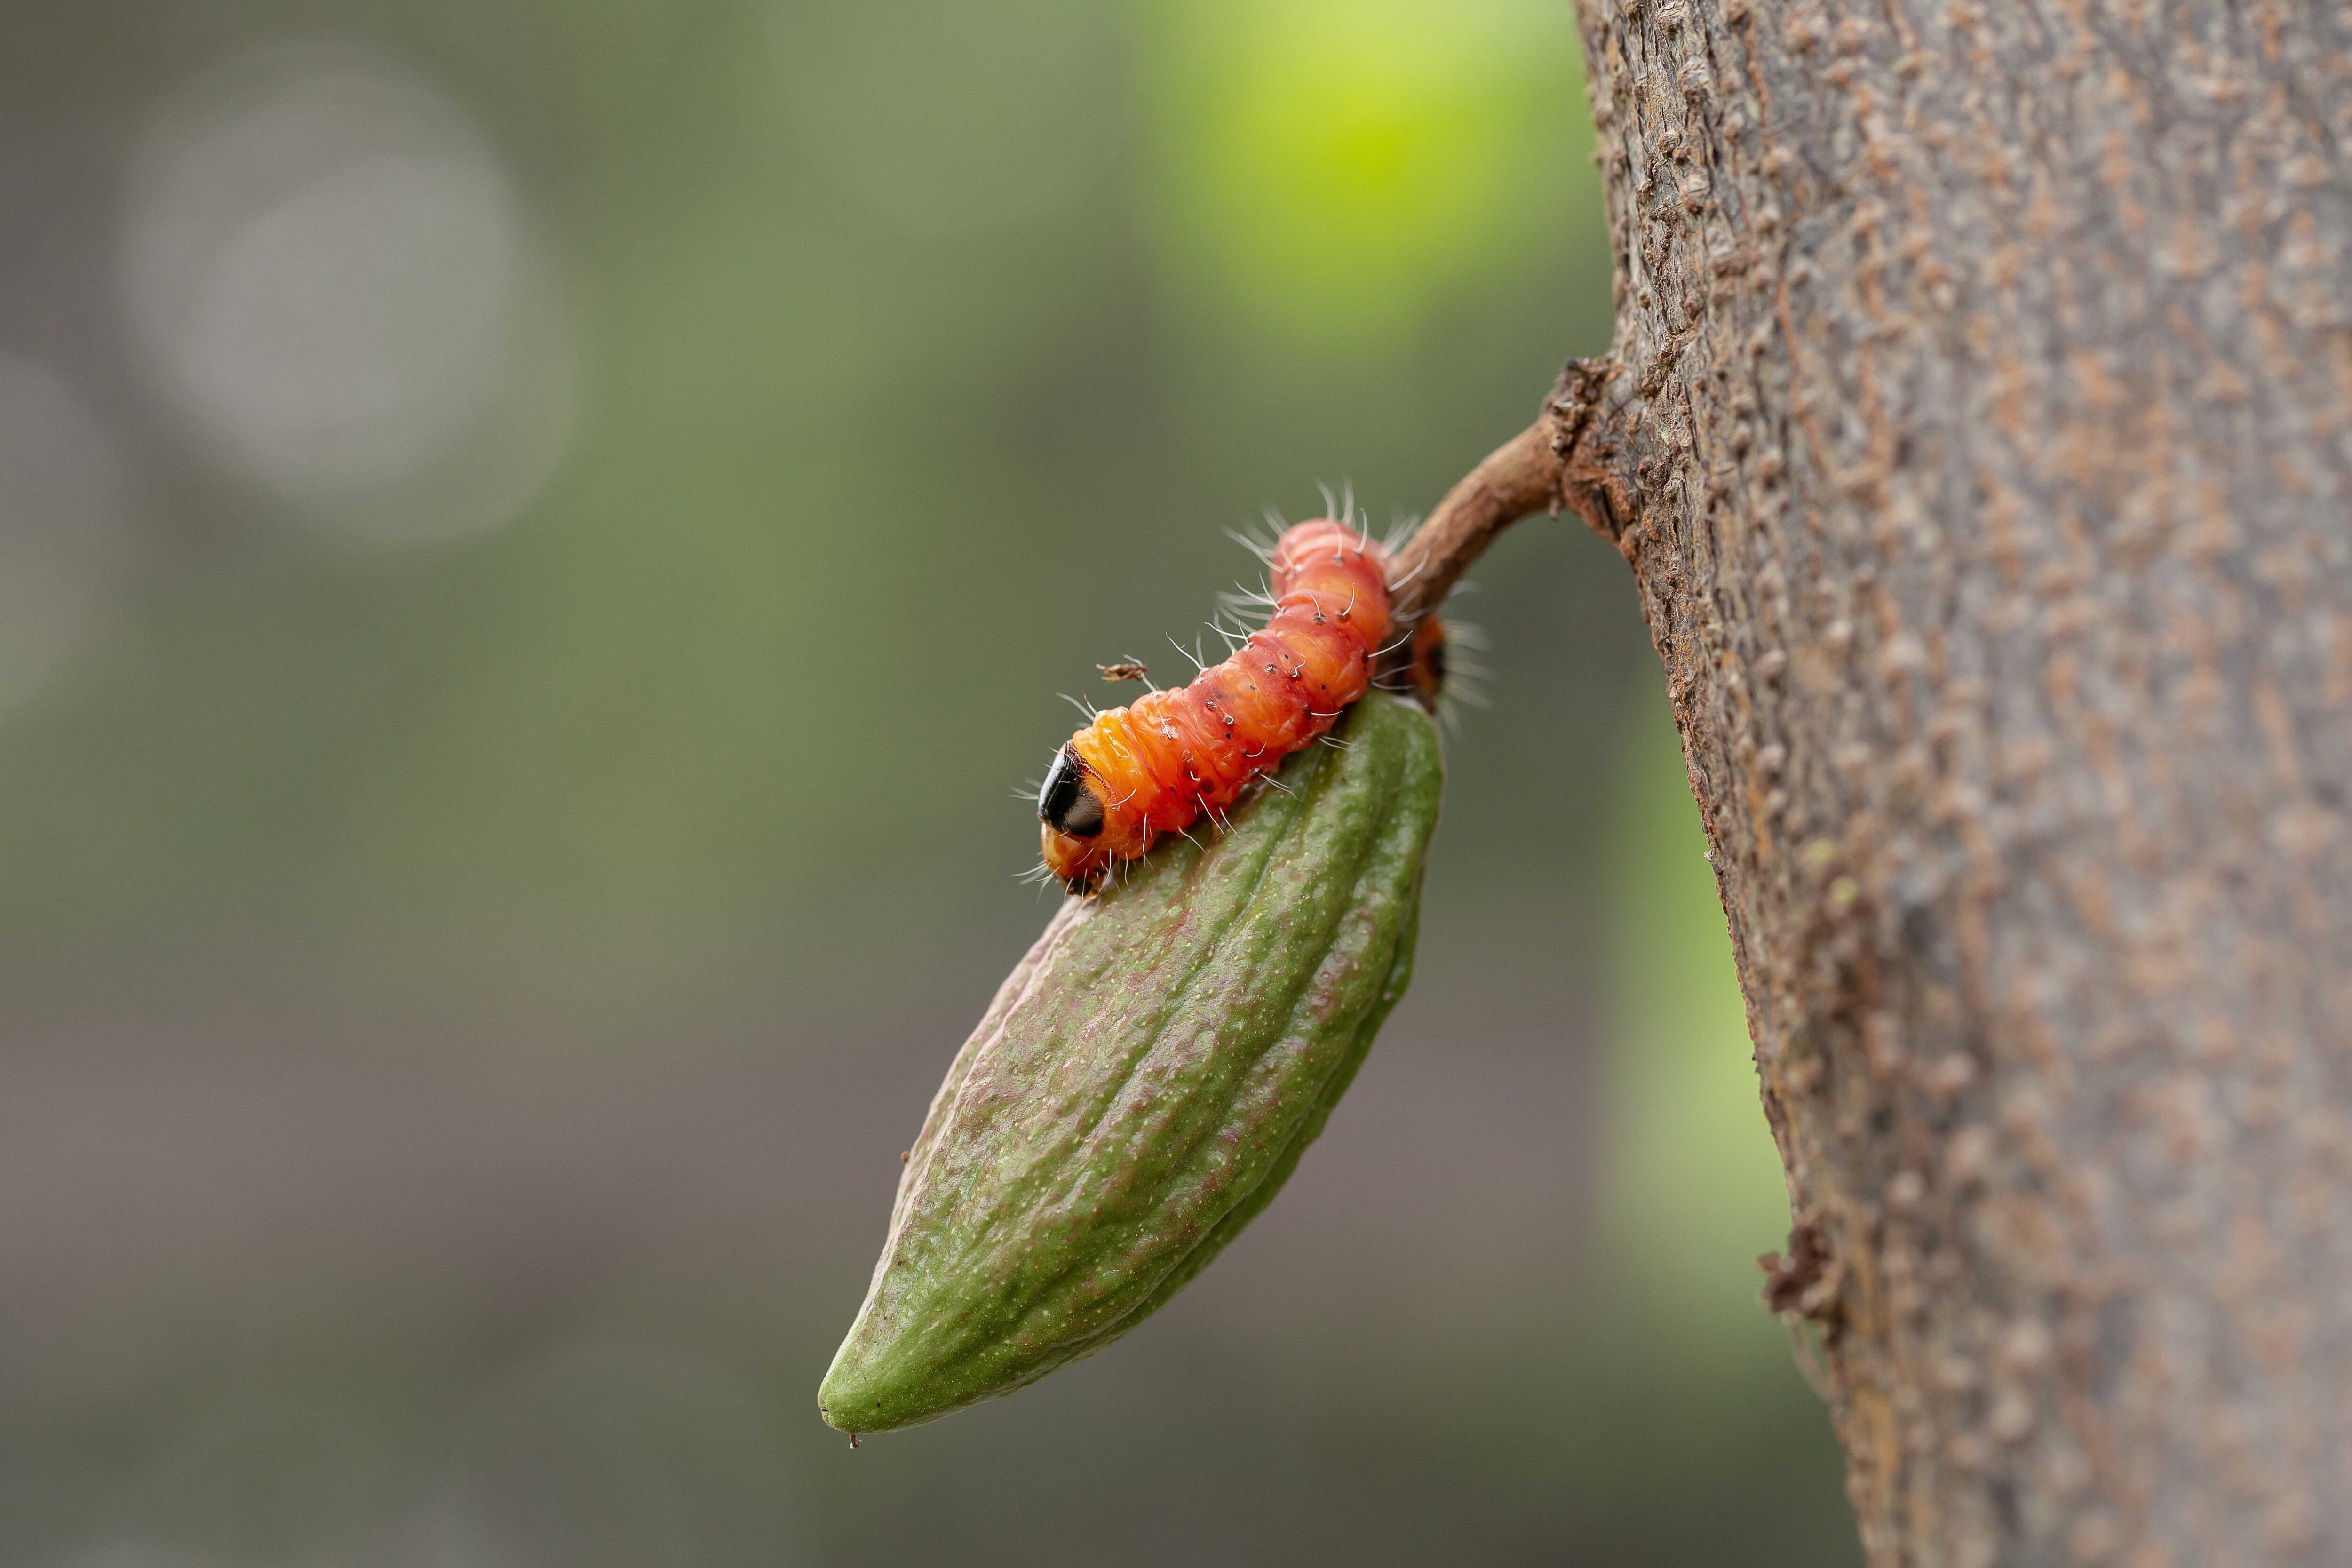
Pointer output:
1554, 462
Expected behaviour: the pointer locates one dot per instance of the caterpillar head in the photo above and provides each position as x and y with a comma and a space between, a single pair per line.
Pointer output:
1070, 805
1066, 800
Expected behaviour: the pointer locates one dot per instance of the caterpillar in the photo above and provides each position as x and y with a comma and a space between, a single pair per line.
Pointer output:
1138, 772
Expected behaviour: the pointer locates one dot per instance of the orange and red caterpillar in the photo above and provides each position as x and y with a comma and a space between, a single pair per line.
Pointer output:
1154, 767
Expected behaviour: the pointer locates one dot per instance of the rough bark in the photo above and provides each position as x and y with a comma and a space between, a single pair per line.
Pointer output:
1979, 434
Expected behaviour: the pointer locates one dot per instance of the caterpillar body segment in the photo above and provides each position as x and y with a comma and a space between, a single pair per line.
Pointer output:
1154, 767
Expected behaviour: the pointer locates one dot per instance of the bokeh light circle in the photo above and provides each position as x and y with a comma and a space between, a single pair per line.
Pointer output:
335, 287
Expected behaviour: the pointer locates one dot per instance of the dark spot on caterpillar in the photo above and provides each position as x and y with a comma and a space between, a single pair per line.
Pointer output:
1065, 803
1427, 671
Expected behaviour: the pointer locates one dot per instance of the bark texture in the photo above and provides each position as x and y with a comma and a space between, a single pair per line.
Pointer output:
1979, 433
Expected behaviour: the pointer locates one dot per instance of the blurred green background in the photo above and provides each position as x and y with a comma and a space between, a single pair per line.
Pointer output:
535, 538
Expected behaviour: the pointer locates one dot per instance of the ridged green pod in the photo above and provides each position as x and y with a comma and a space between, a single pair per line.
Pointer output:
1145, 1080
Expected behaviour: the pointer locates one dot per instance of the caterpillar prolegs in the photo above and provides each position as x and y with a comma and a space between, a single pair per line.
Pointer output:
1157, 765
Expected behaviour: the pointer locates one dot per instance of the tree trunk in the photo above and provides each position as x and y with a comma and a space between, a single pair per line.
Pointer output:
1979, 433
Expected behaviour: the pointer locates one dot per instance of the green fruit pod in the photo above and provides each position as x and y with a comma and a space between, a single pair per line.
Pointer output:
1145, 1080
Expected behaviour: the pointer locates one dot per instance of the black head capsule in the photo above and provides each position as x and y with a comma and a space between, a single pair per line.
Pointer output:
1065, 802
